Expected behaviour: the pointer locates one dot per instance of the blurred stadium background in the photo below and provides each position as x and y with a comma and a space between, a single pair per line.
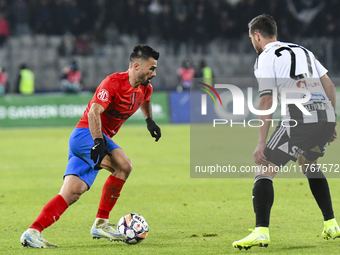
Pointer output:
48, 35
100, 34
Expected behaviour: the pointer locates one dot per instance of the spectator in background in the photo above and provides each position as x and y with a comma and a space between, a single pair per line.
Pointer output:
4, 29
166, 24
43, 18
112, 34
58, 17
98, 34
73, 17
205, 72
67, 46
4, 8
143, 25
83, 45
182, 34
132, 13
201, 31
185, 75
98, 12
19, 17
25, 81
98, 39
306, 13
155, 9
3, 81
71, 80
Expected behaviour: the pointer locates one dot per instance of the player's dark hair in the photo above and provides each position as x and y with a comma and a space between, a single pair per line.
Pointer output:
264, 24
142, 51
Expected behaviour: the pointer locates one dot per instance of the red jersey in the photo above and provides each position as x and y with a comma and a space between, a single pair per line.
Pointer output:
3, 79
186, 74
120, 101
73, 76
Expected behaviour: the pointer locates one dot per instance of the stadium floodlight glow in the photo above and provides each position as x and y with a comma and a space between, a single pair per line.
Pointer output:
238, 100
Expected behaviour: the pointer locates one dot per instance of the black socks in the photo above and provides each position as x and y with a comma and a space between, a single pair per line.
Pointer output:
263, 198
319, 186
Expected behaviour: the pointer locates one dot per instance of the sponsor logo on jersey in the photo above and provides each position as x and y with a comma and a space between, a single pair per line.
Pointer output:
301, 84
103, 95
318, 97
118, 115
317, 106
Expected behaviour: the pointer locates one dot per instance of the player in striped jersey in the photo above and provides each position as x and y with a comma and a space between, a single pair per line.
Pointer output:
303, 133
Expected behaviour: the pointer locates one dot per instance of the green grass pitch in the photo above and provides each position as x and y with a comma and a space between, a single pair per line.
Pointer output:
185, 215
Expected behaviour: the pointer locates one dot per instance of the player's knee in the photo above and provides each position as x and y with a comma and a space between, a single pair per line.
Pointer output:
301, 161
71, 197
126, 167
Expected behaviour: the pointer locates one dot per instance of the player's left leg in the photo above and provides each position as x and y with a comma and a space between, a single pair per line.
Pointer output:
120, 167
73, 187
317, 181
319, 187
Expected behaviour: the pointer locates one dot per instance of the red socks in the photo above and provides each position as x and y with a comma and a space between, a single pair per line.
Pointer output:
50, 213
110, 194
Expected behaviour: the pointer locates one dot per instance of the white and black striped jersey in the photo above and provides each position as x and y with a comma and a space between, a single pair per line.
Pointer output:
288, 65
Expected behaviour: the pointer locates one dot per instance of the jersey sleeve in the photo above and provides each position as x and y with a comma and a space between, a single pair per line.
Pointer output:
104, 93
265, 75
320, 68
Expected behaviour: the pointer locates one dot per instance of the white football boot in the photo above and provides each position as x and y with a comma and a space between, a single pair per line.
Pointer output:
101, 228
32, 238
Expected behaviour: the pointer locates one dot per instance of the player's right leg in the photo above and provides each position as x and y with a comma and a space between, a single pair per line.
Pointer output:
263, 198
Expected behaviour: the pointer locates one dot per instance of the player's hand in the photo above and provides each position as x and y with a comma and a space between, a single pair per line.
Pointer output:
99, 151
154, 130
258, 154
333, 137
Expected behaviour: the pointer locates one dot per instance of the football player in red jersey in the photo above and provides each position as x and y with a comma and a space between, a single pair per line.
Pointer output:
91, 148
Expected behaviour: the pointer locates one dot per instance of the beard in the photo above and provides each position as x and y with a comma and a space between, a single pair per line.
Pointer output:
144, 81
258, 49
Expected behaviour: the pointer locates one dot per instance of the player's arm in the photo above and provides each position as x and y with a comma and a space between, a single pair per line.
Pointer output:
331, 94
154, 130
146, 109
329, 89
265, 104
95, 123
99, 149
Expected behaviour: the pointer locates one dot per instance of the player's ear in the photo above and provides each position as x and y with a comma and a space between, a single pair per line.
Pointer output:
257, 36
136, 66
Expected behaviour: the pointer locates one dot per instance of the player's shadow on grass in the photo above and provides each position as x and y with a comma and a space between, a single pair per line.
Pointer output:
95, 245
299, 247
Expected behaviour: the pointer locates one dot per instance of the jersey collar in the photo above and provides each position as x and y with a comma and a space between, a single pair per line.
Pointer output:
271, 45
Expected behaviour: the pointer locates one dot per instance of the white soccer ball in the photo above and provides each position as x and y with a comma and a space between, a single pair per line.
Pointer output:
134, 226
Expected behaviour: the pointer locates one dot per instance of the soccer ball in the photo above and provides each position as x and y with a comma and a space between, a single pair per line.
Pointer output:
134, 226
